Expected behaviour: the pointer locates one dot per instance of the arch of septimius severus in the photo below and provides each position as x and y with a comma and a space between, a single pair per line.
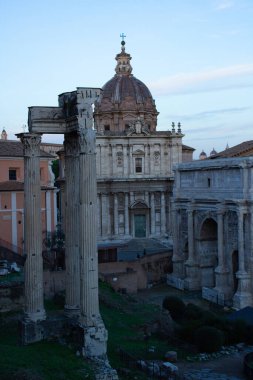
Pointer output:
73, 118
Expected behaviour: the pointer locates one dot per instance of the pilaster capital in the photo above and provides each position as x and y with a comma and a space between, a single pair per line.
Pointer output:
221, 211
191, 207
241, 209
31, 143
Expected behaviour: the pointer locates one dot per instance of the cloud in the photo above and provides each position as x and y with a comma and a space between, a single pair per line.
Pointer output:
224, 4
202, 81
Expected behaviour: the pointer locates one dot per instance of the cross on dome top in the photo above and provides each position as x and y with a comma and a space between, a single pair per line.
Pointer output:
123, 66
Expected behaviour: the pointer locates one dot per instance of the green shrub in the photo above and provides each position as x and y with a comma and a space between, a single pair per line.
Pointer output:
175, 306
192, 312
208, 339
249, 335
186, 330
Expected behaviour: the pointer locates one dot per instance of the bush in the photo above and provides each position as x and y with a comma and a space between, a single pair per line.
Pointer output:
208, 339
192, 312
175, 306
186, 330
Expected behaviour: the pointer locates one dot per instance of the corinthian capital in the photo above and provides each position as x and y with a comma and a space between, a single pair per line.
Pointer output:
31, 143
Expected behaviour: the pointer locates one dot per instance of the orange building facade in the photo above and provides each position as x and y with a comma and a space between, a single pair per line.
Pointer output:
12, 195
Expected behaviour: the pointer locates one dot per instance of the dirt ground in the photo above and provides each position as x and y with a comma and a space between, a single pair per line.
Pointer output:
231, 365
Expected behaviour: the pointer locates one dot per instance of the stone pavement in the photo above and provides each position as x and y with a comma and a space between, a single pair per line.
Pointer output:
224, 368
208, 374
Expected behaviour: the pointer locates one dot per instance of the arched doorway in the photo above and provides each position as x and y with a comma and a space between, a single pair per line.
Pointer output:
235, 267
208, 248
140, 219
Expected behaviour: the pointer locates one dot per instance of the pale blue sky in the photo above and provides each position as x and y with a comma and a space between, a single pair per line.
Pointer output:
196, 56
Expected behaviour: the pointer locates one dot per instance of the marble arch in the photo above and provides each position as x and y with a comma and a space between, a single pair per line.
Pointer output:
212, 216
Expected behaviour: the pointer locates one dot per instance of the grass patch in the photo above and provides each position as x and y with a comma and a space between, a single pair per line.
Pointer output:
38, 361
126, 321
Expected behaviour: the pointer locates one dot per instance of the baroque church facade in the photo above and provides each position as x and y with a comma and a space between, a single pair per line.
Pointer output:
134, 161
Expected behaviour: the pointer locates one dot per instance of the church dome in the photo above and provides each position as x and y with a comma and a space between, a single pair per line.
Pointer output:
124, 99
202, 155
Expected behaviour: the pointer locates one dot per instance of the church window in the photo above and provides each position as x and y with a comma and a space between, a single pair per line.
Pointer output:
12, 174
138, 165
107, 127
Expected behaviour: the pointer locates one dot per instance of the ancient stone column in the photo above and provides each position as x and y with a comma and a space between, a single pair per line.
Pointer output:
152, 202
221, 272
72, 261
163, 213
126, 214
191, 266
242, 297
240, 215
95, 334
34, 303
220, 239
190, 236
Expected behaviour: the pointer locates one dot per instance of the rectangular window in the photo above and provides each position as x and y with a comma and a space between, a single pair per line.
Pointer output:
138, 165
12, 174
107, 127
209, 182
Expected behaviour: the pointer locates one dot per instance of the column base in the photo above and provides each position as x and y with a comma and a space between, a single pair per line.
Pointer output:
94, 341
72, 312
243, 296
54, 327
35, 317
178, 267
241, 300
103, 370
31, 332
192, 280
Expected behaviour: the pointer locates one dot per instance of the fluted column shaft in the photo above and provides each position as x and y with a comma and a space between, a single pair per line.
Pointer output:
241, 241
34, 302
72, 299
175, 226
190, 236
88, 228
221, 256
